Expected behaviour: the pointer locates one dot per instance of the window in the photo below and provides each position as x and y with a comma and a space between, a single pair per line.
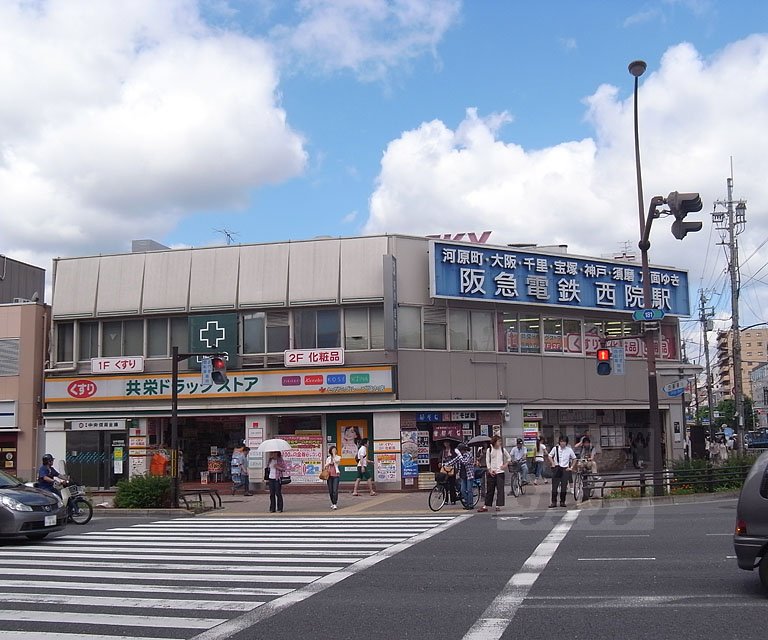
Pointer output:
593, 332
89, 340
529, 335
254, 333
553, 335
482, 330
157, 337
409, 327
316, 329
509, 333
377, 328
434, 328
65, 335
123, 338
459, 329
278, 331
356, 329
572, 342
180, 333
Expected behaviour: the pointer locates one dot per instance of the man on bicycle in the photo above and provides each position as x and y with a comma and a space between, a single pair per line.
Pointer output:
586, 453
520, 459
466, 468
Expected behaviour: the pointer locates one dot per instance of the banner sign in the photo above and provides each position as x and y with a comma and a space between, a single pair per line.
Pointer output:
241, 384
304, 458
502, 274
212, 334
313, 357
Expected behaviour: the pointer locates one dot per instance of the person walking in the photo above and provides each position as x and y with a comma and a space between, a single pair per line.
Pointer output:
277, 469
538, 460
363, 472
520, 460
561, 459
496, 459
332, 468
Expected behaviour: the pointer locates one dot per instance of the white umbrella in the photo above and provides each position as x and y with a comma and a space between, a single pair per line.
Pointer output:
273, 444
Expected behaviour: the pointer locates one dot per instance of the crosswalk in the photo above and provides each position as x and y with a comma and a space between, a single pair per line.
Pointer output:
177, 578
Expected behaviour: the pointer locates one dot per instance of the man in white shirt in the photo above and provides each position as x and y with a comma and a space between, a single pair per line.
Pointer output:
363, 473
520, 458
561, 459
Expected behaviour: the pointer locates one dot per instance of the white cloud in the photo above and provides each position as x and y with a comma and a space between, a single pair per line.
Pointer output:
367, 37
643, 17
117, 120
694, 115
350, 217
569, 44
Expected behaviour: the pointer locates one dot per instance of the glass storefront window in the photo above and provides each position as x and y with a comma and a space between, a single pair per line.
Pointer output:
409, 327
482, 330
593, 332
553, 335
530, 329
157, 337
355, 329
458, 322
65, 335
572, 342
254, 333
509, 333
89, 340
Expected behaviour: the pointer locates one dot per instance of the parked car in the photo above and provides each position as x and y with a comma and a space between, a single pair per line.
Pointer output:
29, 512
751, 537
757, 439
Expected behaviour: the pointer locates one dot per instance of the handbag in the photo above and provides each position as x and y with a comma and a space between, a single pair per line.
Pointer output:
285, 480
266, 473
325, 474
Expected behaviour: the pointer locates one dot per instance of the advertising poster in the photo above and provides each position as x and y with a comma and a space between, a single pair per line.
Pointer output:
348, 434
386, 446
410, 453
305, 458
423, 443
530, 433
386, 467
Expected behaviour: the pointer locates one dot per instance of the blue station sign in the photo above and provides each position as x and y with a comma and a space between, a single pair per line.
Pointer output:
506, 275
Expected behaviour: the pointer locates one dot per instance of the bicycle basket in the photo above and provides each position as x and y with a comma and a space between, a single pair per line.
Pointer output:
441, 477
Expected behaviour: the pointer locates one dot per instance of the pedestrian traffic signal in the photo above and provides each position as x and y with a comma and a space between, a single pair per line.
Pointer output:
680, 205
219, 372
603, 362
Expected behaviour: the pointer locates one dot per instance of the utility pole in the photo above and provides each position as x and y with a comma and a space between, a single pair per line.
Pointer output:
705, 317
731, 223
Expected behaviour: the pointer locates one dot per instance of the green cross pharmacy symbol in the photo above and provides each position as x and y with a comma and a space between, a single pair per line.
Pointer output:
212, 334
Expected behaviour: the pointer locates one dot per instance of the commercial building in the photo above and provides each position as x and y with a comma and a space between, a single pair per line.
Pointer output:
23, 346
759, 392
403, 340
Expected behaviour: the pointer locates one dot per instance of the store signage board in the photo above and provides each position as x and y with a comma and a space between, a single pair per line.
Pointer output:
214, 333
97, 425
506, 275
241, 384
125, 364
206, 371
618, 361
463, 416
313, 357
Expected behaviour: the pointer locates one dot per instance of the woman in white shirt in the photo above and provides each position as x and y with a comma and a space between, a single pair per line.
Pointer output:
541, 452
496, 459
332, 467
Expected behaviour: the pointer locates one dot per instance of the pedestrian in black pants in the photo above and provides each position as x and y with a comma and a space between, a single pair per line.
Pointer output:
561, 459
276, 469
497, 458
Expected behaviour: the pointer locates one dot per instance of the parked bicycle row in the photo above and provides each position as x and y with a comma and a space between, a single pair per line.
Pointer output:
481, 469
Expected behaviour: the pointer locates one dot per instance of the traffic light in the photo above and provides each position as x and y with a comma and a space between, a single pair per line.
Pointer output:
680, 205
219, 372
603, 362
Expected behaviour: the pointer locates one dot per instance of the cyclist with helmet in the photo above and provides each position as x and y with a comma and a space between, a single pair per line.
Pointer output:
47, 475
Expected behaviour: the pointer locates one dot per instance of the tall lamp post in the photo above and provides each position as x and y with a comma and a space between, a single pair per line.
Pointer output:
636, 69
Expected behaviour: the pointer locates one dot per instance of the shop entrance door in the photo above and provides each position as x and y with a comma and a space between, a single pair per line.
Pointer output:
92, 455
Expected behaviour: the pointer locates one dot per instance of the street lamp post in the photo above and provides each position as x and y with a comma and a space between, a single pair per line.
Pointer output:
636, 69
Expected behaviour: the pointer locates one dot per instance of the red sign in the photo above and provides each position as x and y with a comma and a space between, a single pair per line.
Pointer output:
308, 380
447, 432
81, 389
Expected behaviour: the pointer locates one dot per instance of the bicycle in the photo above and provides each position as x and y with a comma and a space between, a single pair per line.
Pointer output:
582, 480
517, 487
439, 495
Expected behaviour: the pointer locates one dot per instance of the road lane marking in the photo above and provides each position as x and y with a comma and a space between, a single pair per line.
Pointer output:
245, 566
236, 625
133, 603
628, 535
35, 635
62, 617
500, 613
23, 583
611, 559
719, 534
217, 559
149, 575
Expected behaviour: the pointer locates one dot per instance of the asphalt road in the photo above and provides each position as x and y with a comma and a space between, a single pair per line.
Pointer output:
663, 572
637, 573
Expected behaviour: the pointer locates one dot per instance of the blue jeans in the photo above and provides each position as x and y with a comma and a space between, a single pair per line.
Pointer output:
523, 471
333, 488
466, 491
539, 469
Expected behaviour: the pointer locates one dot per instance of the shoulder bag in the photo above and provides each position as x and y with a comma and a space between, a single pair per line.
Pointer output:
325, 474
285, 480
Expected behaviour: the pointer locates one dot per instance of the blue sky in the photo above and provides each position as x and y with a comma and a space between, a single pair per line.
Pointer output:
287, 120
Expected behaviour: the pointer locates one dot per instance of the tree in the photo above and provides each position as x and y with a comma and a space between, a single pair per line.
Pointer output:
727, 410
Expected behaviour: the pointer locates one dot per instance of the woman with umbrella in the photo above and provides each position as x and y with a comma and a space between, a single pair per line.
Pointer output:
447, 456
275, 471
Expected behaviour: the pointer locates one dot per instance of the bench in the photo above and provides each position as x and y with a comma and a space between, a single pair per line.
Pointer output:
213, 494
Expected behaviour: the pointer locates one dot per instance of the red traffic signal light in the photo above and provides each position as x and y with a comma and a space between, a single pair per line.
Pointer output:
219, 370
603, 362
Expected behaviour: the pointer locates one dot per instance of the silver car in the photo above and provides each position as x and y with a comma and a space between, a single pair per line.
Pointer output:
29, 512
751, 537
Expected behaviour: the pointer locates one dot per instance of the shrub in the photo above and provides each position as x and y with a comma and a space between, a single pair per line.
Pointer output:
144, 492
619, 494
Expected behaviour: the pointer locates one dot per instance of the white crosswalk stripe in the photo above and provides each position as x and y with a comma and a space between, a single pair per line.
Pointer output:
176, 578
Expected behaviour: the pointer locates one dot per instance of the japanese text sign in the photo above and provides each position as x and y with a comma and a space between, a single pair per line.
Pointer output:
125, 364
503, 274
313, 357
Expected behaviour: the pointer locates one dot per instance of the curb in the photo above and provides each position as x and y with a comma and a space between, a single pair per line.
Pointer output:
600, 503
138, 513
